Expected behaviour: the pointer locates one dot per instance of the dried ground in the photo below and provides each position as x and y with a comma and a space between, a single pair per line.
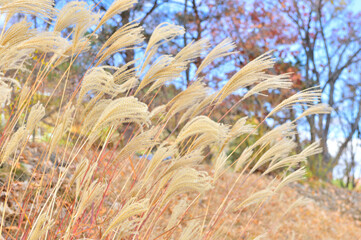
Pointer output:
331, 212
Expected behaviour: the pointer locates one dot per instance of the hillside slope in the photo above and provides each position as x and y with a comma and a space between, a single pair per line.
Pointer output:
331, 213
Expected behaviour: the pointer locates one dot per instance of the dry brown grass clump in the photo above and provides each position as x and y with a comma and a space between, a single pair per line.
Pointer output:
76, 196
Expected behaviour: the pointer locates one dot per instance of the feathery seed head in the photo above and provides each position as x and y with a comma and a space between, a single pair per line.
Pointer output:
131, 208
40, 8
117, 7
37, 112
248, 75
221, 50
212, 132
119, 111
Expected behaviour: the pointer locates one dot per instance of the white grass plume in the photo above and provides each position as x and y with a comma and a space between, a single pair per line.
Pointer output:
117, 7
13, 58
97, 80
219, 165
162, 153
16, 141
46, 42
41, 226
221, 50
313, 149
130, 209
202, 125
86, 21
163, 33
5, 93
280, 81
316, 109
248, 75
119, 111
177, 211
73, 13
17, 33
191, 231
307, 97
24, 94
89, 196
192, 51
144, 140
188, 160
124, 73
256, 197
240, 127
161, 109
297, 175
125, 38
194, 94
92, 113
245, 157
284, 130
165, 69
40, 8
206, 102
37, 112
279, 150
62, 128
187, 180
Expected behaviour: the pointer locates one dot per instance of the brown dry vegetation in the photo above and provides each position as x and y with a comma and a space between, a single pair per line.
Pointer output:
314, 220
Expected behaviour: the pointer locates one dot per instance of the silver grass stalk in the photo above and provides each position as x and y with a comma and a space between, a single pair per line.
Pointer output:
280, 150
191, 231
123, 39
17, 33
316, 109
144, 140
47, 42
119, 111
41, 226
97, 80
256, 197
131, 208
163, 33
248, 75
274, 82
187, 180
190, 97
41, 8
297, 175
202, 125
307, 97
221, 50
73, 13
16, 141
177, 211
117, 7
37, 112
